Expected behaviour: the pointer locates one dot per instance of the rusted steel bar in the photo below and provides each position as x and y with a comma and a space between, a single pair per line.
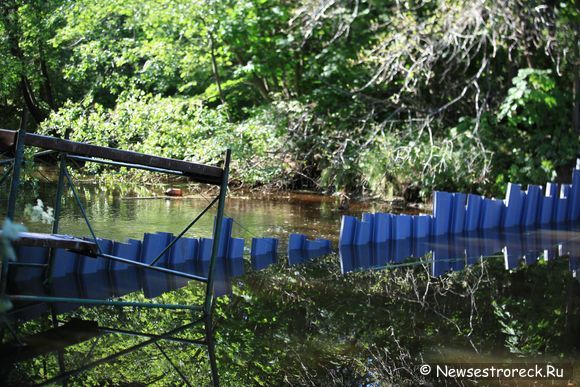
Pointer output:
126, 165
199, 172
55, 241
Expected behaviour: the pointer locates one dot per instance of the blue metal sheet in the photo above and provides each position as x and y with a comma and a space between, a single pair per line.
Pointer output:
235, 267
347, 262
325, 244
574, 197
65, 263
296, 241
96, 285
155, 283
547, 207
347, 230
262, 246
422, 226
421, 247
29, 254
125, 281
457, 252
130, 250
205, 247
222, 284
513, 249
473, 215
402, 227
66, 286
493, 242
382, 228
89, 265
567, 193
261, 261
458, 213
473, 247
442, 212
225, 235
153, 245
401, 250
236, 248
106, 246
183, 251
362, 233
362, 257
441, 256
514, 203
561, 210
552, 190
491, 213
380, 253
561, 214
530, 213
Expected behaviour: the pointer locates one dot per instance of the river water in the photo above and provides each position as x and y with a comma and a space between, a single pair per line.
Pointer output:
357, 318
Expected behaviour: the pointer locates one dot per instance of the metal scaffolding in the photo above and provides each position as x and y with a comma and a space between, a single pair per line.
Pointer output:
14, 142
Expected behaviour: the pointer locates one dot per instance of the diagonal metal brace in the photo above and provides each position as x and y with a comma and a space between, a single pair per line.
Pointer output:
184, 231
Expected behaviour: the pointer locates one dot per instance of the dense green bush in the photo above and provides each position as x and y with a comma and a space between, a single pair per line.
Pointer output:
532, 135
181, 128
417, 163
357, 97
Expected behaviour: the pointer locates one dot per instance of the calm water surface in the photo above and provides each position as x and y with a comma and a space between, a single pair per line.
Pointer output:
358, 318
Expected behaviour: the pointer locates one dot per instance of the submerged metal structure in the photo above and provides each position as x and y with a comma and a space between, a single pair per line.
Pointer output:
15, 142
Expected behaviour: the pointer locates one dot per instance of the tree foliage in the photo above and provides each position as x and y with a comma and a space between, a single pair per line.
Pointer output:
363, 95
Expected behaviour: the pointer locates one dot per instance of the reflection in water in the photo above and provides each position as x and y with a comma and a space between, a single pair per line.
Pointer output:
454, 252
301, 320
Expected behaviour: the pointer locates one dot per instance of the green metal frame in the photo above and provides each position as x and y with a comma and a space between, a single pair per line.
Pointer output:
65, 178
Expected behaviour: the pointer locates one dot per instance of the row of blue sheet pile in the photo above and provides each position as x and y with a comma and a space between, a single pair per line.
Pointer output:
459, 213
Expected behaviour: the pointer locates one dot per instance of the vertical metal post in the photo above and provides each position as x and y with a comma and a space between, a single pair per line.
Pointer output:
14, 184
216, 233
57, 211
209, 290
17, 166
59, 190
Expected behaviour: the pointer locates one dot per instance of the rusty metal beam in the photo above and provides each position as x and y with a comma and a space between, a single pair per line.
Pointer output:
198, 172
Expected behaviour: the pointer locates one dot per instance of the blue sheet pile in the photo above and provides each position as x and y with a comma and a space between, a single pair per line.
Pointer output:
457, 213
79, 276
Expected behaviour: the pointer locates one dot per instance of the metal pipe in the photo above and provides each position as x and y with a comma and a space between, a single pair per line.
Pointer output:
128, 165
150, 335
44, 153
78, 200
217, 232
155, 268
172, 364
27, 264
209, 290
16, 167
57, 211
116, 355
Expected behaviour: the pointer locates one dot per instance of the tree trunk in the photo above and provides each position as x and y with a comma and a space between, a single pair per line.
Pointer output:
30, 100
214, 68
47, 94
